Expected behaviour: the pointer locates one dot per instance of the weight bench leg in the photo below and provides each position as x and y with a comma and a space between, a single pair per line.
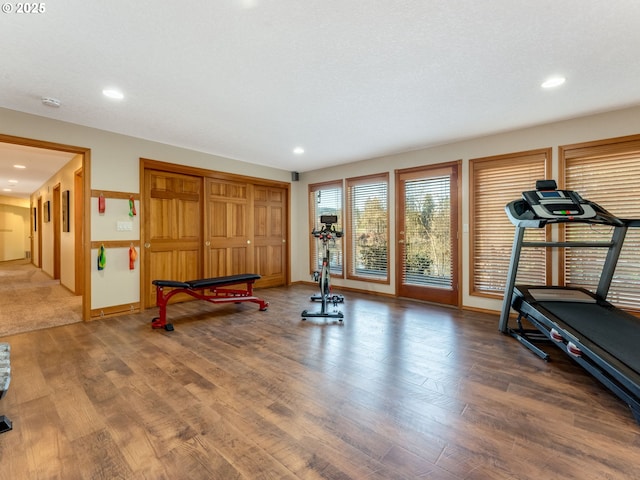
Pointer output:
161, 320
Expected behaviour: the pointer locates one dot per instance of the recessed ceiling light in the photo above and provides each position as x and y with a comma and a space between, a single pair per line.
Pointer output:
19, 166
13, 181
6, 190
113, 93
298, 150
553, 82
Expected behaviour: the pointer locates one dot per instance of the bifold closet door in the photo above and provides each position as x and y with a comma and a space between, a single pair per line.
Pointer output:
229, 240
173, 235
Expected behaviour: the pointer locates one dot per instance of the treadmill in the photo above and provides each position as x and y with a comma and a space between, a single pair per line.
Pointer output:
600, 337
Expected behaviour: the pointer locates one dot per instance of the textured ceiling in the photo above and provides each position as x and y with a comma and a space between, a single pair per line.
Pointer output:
346, 80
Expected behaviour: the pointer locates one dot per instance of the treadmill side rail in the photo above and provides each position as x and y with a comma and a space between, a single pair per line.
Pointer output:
610, 359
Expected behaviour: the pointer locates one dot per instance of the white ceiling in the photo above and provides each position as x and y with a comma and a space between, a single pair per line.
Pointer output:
346, 80
40, 165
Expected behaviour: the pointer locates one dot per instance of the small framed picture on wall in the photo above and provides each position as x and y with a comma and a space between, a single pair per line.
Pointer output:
65, 211
46, 211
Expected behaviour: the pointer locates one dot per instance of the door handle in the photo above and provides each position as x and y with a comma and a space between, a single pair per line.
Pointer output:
147, 245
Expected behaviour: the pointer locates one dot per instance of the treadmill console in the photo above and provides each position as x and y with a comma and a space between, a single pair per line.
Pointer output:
549, 202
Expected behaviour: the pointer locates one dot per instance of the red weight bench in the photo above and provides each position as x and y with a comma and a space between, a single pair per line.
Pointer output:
213, 290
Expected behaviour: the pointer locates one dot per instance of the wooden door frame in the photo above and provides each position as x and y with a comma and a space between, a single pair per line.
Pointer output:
85, 225
456, 166
150, 164
78, 213
55, 220
38, 264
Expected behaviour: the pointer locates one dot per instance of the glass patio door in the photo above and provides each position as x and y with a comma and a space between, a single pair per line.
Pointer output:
427, 233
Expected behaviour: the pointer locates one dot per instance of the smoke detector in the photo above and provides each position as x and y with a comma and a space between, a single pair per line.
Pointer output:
51, 102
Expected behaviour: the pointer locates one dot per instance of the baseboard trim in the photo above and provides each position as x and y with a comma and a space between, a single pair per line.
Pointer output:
115, 310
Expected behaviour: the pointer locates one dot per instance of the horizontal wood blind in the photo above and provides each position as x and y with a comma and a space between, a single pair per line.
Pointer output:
607, 173
368, 232
326, 199
495, 181
427, 247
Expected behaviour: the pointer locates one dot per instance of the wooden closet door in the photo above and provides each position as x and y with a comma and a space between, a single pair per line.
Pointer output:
270, 234
172, 229
228, 225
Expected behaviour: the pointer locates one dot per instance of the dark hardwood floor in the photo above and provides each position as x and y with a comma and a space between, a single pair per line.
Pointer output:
401, 390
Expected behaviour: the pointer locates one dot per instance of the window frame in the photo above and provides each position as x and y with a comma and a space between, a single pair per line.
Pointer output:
503, 161
599, 152
313, 242
350, 231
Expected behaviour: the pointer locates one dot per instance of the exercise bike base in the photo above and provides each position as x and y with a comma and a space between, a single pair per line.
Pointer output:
337, 315
332, 298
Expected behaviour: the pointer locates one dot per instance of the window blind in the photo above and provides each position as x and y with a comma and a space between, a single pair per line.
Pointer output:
326, 199
368, 233
607, 173
495, 181
427, 246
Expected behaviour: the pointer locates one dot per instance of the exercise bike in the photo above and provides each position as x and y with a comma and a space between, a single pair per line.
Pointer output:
326, 234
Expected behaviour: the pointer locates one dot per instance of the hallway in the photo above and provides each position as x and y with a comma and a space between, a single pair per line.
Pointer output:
31, 300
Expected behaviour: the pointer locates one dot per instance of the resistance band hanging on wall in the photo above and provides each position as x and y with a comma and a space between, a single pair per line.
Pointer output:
132, 207
133, 255
101, 204
102, 257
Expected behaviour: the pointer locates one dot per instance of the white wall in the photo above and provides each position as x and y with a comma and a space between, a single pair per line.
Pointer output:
65, 178
14, 228
115, 163
595, 127
115, 166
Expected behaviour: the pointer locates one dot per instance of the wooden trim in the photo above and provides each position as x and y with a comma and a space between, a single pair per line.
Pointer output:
421, 168
146, 164
115, 244
86, 224
496, 161
112, 194
452, 169
313, 187
595, 152
348, 237
114, 311
76, 226
30, 142
605, 147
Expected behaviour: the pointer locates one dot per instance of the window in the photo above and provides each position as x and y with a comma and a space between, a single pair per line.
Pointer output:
494, 182
368, 232
606, 172
326, 199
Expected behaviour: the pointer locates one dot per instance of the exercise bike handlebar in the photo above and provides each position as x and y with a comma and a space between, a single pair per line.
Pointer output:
326, 233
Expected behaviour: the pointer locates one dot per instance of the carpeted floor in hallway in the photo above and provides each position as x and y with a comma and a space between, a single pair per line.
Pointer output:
31, 300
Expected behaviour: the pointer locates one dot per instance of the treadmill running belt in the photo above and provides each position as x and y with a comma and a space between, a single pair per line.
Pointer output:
613, 330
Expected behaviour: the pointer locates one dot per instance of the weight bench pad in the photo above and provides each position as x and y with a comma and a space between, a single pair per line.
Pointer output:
219, 281
213, 290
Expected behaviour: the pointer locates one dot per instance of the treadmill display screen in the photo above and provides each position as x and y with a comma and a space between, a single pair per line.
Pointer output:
550, 194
